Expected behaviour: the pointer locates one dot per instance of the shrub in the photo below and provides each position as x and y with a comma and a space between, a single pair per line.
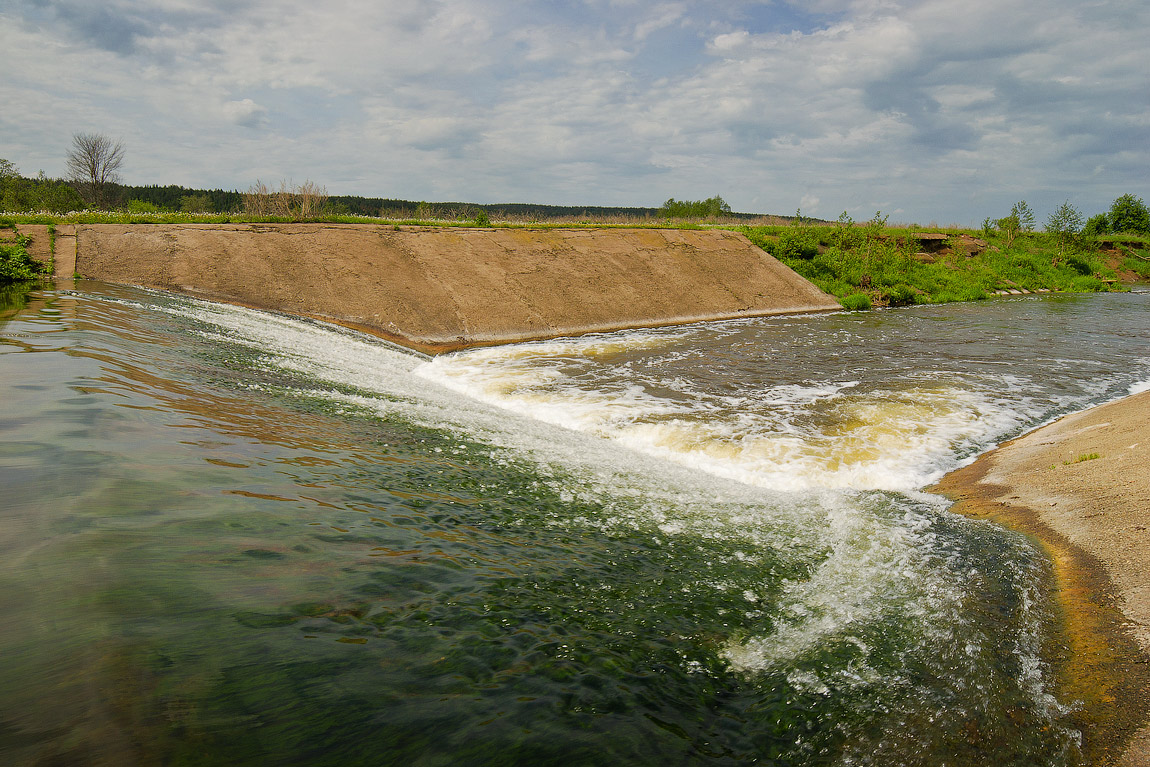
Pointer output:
15, 263
902, 295
140, 206
797, 243
855, 302
1020, 220
845, 235
1078, 264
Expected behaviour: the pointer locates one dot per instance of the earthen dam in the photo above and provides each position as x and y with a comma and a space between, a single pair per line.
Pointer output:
437, 289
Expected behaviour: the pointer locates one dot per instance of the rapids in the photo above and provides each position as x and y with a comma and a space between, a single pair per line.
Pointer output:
234, 537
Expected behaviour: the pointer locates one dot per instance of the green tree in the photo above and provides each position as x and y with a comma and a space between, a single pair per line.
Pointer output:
712, 207
1065, 224
1129, 214
1096, 225
1020, 220
1008, 227
195, 203
1024, 214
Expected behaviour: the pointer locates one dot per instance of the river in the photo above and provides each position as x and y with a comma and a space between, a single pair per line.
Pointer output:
232, 537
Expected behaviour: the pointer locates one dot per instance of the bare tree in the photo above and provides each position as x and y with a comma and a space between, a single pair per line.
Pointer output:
312, 199
290, 201
94, 165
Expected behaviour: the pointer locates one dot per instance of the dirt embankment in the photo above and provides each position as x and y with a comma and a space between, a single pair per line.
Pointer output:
1080, 486
439, 289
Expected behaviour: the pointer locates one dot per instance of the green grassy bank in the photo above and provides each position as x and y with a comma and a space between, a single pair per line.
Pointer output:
874, 265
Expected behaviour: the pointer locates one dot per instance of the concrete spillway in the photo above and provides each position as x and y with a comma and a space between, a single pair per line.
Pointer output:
443, 288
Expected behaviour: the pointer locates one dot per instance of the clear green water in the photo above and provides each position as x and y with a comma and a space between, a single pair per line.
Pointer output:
231, 538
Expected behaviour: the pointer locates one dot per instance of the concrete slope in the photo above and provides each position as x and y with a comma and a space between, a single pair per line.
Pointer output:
437, 288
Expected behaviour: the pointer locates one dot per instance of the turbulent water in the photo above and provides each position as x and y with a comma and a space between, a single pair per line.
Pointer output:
230, 537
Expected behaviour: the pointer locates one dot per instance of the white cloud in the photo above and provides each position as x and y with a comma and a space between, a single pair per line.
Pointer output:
245, 112
945, 111
660, 17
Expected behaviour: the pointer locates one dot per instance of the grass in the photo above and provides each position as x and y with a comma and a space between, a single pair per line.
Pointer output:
1082, 458
877, 265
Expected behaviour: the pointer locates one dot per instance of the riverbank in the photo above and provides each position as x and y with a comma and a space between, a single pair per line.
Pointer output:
1080, 486
438, 289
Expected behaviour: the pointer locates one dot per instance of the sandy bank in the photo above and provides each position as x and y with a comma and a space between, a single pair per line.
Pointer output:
438, 289
1081, 486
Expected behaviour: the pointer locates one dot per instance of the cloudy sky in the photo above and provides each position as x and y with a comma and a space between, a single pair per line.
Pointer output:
928, 110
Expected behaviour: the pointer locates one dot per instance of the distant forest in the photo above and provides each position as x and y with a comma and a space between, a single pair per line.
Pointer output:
175, 198
43, 194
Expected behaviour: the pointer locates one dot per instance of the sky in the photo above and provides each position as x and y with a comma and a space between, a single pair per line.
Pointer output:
926, 110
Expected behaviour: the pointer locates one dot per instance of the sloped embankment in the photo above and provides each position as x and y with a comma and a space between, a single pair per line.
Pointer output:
439, 289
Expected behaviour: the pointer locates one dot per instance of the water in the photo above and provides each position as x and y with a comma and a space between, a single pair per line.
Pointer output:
230, 537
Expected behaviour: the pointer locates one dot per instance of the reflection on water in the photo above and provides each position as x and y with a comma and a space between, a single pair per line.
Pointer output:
233, 538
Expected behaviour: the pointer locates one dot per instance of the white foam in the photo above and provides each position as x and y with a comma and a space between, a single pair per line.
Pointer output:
779, 437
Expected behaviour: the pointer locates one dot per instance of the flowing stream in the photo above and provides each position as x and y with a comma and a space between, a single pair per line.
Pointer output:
231, 537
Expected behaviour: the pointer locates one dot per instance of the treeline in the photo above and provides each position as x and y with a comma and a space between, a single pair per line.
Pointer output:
41, 194
543, 212
19, 194
175, 198
179, 199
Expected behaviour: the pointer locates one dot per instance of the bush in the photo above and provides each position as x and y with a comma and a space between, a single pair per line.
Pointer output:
140, 206
1078, 264
902, 295
855, 302
797, 243
15, 263
845, 235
